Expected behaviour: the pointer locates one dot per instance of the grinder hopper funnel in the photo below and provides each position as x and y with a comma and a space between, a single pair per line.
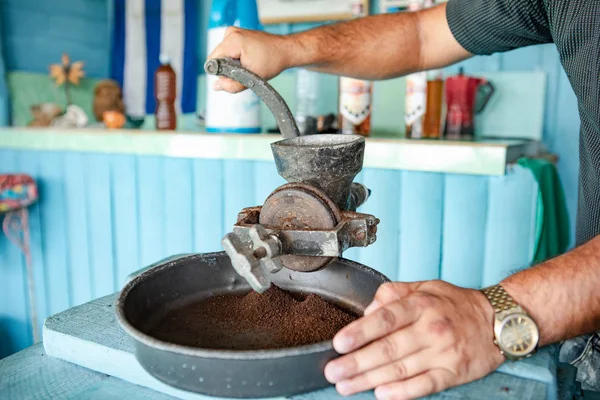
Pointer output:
329, 162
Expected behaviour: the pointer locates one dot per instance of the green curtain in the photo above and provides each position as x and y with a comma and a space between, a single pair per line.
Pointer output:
553, 236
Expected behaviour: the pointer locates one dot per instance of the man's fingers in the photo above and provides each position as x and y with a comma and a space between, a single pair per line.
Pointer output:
226, 50
391, 348
389, 292
420, 386
399, 370
230, 47
376, 325
228, 85
230, 30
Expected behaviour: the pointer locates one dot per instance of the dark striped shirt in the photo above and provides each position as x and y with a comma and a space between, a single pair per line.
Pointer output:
489, 26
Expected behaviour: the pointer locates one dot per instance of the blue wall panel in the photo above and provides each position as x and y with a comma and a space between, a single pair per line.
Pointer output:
208, 204
356, 252
54, 234
100, 225
151, 200
384, 203
238, 189
77, 230
125, 221
420, 222
511, 222
465, 219
178, 206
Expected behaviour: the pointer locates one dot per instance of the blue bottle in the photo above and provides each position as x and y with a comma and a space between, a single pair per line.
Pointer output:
237, 113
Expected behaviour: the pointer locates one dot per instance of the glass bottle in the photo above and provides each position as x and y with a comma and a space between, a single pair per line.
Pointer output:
355, 96
165, 92
432, 124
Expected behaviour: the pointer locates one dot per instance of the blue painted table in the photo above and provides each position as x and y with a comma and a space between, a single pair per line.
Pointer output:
85, 354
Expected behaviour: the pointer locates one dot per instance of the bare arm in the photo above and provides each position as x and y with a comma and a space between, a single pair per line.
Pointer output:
382, 46
561, 294
377, 47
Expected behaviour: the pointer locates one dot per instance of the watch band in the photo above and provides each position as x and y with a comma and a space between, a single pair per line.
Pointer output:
500, 300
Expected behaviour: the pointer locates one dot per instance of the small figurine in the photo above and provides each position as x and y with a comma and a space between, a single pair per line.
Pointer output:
44, 113
107, 97
113, 119
67, 74
74, 117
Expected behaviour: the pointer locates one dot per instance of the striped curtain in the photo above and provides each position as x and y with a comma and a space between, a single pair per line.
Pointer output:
142, 31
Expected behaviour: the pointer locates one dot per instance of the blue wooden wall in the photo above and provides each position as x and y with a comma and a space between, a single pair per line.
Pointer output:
102, 217
35, 34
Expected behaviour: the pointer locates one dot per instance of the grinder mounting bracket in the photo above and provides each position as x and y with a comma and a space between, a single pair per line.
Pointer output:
293, 241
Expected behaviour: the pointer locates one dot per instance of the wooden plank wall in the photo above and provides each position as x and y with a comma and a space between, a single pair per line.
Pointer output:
102, 217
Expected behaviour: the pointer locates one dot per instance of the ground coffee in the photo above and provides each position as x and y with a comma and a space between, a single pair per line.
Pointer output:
274, 319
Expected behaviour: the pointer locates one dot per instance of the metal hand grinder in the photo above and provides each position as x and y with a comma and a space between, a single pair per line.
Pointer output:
305, 224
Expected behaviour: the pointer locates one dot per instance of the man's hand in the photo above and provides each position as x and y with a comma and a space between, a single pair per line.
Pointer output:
416, 339
262, 53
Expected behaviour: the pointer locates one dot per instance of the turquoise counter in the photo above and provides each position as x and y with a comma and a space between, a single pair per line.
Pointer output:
107, 209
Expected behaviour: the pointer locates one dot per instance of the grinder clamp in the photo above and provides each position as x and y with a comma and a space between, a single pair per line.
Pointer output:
305, 224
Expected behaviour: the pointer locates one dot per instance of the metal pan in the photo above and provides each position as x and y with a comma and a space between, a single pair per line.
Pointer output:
226, 373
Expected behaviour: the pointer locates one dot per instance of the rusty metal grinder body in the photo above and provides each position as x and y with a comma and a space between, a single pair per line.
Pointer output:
307, 223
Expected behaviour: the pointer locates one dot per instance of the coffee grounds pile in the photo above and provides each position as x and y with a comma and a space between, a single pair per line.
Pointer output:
274, 319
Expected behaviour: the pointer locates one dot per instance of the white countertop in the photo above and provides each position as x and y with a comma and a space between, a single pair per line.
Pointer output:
488, 157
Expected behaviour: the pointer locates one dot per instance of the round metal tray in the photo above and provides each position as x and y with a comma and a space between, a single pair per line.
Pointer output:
228, 373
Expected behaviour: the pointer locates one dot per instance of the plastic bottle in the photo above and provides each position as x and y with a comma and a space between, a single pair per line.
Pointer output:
432, 124
165, 93
235, 113
355, 96
307, 87
432, 121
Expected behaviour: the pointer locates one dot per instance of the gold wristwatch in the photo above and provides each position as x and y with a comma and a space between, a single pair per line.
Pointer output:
516, 334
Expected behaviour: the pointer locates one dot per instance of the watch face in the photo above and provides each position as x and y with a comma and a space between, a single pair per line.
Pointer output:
519, 335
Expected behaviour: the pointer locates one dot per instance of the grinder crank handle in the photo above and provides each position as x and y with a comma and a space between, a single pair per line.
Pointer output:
233, 69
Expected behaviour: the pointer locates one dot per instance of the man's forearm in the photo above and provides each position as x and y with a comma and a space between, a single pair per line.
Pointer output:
561, 294
378, 47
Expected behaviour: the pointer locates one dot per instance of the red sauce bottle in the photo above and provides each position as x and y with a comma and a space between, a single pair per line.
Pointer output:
165, 92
